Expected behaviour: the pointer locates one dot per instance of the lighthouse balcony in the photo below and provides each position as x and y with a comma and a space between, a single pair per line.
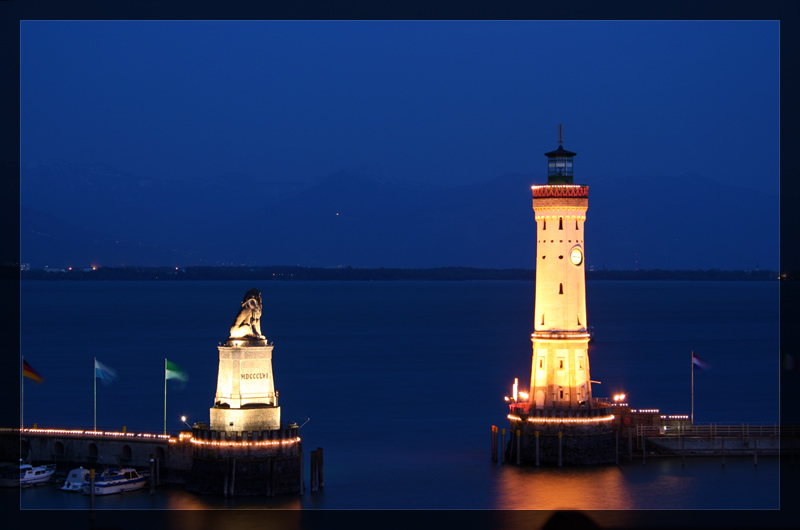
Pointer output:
545, 191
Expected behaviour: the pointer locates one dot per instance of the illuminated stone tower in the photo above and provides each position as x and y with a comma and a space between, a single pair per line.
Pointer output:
560, 422
560, 364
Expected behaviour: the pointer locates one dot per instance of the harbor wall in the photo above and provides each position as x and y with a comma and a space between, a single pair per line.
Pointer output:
173, 456
266, 462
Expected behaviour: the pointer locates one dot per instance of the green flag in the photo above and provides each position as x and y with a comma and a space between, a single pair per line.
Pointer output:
174, 372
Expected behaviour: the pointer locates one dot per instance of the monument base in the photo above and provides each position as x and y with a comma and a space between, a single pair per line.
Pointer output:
250, 419
268, 462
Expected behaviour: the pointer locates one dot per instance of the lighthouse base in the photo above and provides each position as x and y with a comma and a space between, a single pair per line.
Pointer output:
562, 438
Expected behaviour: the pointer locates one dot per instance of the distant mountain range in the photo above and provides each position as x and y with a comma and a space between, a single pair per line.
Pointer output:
90, 214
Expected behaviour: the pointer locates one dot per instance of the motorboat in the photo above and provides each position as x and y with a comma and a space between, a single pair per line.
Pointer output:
76, 479
116, 480
26, 474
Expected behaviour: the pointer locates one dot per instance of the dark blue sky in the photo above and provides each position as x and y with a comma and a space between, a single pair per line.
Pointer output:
651, 108
437, 102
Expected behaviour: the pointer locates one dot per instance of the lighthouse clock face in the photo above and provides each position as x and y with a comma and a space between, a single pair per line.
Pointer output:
576, 256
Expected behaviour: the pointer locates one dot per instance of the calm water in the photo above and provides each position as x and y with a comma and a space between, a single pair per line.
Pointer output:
402, 381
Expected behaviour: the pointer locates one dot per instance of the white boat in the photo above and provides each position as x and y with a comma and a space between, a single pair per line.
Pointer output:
76, 479
115, 480
26, 474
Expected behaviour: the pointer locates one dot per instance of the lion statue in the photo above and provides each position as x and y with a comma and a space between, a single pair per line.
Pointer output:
248, 322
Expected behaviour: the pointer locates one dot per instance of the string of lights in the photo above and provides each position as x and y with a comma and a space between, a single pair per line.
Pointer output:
97, 433
563, 420
246, 444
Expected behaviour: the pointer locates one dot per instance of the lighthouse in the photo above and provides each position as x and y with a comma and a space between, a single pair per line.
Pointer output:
559, 422
560, 362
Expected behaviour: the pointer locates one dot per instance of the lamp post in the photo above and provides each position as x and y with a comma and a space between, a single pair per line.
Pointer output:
183, 419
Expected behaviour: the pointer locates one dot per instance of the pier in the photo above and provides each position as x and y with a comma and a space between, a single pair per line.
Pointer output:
714, 439
640, 441
268, 462
70, 448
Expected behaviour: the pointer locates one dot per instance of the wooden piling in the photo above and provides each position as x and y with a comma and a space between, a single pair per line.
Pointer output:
91, 492
630, 444
644, 449
537, 448
683, 451
314, 475
616, 448
320, 468
519, 436
559, 447
723, 451
233, 475
494, 443
152, 476
502, 446
755, 451
301, 487
272, 478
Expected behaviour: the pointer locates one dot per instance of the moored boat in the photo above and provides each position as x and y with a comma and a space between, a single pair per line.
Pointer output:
76, 479
115, 480
26, 474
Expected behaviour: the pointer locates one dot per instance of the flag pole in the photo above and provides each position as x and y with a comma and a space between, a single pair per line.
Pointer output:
165, 395
94, 378
22, 399
692, 369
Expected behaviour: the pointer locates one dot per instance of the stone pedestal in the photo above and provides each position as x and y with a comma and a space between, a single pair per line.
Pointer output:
246, 399
554, 437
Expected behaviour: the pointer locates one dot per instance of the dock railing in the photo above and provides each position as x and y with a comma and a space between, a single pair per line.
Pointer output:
717, 430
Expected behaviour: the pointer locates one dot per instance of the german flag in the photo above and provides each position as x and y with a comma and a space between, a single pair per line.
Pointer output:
29, 372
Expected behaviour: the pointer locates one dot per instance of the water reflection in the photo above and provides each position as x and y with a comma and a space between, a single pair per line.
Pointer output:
182, 500
661, 483
531, 488
214, 520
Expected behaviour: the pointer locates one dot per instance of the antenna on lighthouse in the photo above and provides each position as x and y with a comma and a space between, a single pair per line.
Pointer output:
560, 137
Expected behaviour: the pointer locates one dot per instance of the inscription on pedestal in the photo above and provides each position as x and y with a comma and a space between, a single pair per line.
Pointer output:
255, 376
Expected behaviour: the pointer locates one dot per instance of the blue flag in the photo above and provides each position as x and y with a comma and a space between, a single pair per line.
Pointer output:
103, 372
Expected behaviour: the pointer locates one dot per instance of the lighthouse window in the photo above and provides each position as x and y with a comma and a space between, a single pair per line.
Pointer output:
561, 364
543, 319
560, 288
544, 225
576, 225
561, 223
541, 362
580, 363
561, 394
